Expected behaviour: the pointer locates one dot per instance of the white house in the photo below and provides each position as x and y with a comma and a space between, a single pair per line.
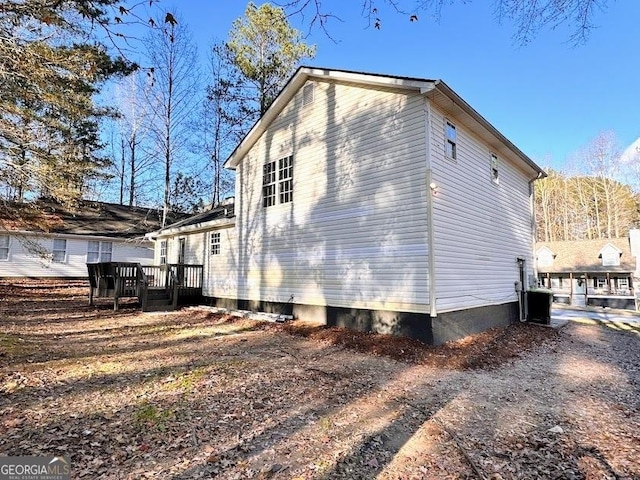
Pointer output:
69, 240
377, 202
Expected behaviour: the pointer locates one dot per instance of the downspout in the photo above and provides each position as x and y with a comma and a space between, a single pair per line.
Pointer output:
534, 235
433, 312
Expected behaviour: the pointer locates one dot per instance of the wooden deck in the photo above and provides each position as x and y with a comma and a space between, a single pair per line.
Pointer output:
161, 287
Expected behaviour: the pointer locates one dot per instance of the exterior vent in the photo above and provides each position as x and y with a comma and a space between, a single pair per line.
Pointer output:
307, 94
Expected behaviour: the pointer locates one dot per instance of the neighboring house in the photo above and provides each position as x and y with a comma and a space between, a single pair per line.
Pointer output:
376, 202
600, 272
65, 241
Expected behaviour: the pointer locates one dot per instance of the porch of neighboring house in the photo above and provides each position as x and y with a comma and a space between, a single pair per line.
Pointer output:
157, 287
601, 289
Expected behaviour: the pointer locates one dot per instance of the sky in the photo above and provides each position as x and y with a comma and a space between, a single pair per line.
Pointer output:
550, 97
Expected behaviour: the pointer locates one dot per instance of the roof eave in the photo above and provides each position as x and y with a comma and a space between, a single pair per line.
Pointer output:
443, 88
193, 228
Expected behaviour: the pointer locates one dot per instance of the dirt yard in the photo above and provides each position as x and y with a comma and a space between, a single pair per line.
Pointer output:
193, 394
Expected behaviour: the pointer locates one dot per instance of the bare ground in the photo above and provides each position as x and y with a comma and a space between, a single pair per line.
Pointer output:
192, 394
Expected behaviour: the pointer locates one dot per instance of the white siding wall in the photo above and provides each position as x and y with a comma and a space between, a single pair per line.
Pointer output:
23, 263
480, 227
221, 271
194, 252
355, 234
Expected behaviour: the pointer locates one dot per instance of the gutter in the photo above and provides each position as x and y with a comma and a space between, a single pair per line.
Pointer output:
193, 228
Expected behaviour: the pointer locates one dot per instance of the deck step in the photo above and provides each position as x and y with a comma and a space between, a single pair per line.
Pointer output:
159, 307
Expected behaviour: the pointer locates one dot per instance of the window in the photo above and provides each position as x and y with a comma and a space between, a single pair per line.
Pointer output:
4, 247
285, 176
601, 283
99, 252
215, 243
269, 184
307, 94
277, 189
555, 282
494, 168
623, 284
59, 250
163, 252
451, 140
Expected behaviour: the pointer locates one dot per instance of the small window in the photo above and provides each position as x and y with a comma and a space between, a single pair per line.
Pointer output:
59, 253
285, 177
99, 251
4, 247
601, 283
495, 174
307, 94
269, 184
163, 252
215, 243
451, 140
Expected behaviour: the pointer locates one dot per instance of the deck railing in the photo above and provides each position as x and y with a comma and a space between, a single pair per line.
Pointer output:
188, 278
128, 279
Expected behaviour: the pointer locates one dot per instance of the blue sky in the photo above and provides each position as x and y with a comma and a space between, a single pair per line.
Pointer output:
549, 97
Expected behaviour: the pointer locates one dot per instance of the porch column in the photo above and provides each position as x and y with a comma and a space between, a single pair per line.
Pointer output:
570, 286
608, 284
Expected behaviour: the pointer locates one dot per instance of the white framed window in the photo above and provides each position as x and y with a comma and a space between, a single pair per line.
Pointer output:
277, 181
495, 173
623, 283
4, 247
214, 243
99, 251
269, 184
451, 140
601, 283
307, 94
59, 251
163, 252
285, 177
106, 250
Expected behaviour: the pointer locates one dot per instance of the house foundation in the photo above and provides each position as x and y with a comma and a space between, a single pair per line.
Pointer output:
445, 327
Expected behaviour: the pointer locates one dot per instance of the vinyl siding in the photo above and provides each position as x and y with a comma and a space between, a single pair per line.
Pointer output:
194, 252
480, 227
355, 234
221, 271
24, 263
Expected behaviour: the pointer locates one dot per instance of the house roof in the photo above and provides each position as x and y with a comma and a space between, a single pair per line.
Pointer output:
221, 214
435, 89
583, 256
87, 218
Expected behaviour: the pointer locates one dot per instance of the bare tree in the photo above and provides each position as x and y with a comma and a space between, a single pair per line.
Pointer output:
133, 126
172, 97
